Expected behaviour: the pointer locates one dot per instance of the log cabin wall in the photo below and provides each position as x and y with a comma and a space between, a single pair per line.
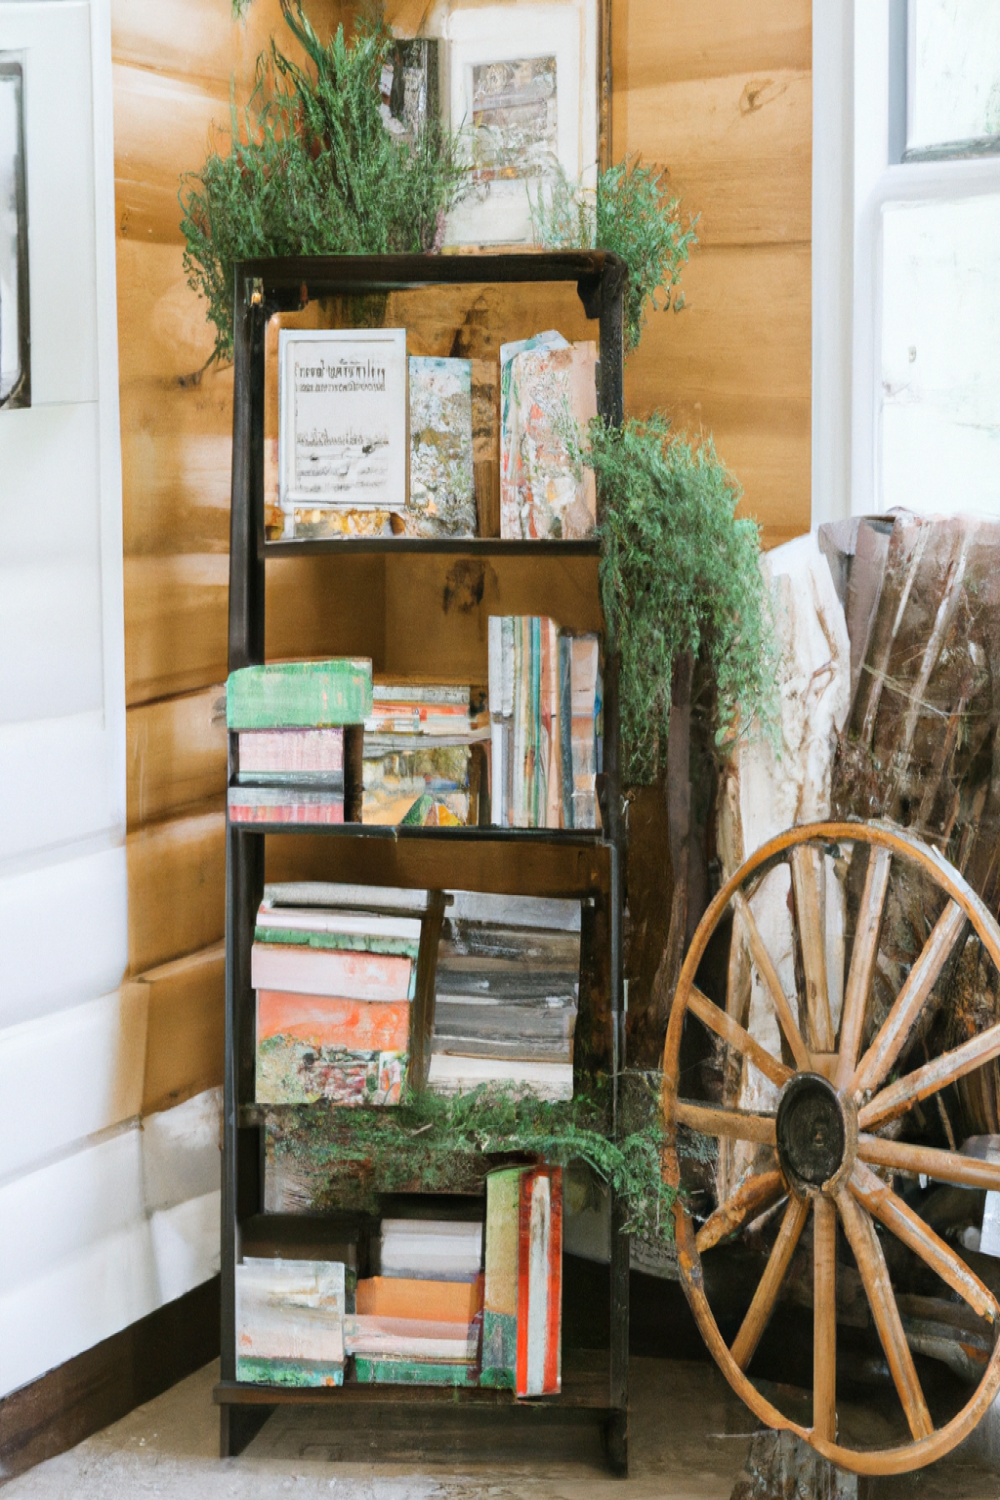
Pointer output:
721, 94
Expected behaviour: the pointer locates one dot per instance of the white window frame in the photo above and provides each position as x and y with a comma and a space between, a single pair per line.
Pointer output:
861, 50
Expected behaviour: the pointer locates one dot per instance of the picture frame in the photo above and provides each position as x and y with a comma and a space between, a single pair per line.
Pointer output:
526, 86
15, 331
342, 420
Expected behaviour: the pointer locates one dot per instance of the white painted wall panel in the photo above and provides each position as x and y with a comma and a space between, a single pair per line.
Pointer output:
940, 408
51, 646
91, 1058
63, 935
78, 755
186, 1241
74, 1305
48, 1217
181, 1151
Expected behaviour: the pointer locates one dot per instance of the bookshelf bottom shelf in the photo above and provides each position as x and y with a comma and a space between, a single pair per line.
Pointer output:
584, 1391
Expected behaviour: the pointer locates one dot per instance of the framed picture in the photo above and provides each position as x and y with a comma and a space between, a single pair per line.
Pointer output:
15, 340
523, 82
341, 420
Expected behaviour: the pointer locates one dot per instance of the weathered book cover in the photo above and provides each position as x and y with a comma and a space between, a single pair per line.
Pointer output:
289, 1322
499, 1359
349, 942
585, 673
395, 779
539, 1283
413, 1372
435, 1249
300, 694
408, 1297
285, 804
449, 1074
379, 1337
544, 490
310, 1047
291, 751
442, 498
323, 971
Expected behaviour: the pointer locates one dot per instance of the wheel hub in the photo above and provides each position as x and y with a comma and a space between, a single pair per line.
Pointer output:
814, 1135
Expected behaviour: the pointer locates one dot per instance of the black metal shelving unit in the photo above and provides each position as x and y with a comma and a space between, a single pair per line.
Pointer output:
542, 862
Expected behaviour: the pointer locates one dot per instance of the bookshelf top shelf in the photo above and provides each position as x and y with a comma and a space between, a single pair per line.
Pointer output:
474, 546
289, 282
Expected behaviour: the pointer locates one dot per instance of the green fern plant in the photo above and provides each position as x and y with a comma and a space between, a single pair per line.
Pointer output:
311, 169
679, 574
631, 213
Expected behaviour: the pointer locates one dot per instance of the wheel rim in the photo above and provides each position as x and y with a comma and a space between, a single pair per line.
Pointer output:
821, 1145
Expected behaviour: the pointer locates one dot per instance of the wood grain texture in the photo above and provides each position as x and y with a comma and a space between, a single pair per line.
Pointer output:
176, 754
185, 1031
176, 888
722, 97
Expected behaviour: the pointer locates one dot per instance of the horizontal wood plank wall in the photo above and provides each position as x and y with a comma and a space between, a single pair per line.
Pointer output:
721, 95
174, 64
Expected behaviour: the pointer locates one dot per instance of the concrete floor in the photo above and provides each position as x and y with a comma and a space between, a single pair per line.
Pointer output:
690, 1436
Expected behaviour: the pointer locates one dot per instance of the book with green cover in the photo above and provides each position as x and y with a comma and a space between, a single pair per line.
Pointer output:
300, 694
503, 1191
412, 1372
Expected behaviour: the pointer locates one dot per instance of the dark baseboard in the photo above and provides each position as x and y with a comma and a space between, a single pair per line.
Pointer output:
104, 1383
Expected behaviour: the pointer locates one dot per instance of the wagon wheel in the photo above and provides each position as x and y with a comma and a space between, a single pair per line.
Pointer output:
818, 1150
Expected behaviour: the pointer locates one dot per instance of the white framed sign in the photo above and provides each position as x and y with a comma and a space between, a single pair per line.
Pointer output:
521, 84
342, 441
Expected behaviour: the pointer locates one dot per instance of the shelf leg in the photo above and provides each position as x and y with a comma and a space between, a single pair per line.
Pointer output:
238, 1426
616, 1443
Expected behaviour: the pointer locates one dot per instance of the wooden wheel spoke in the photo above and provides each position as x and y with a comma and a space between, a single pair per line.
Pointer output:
910, 1001
825, 1320
739, 1124
929, 1161
724, 1026
809, 881
879, 1199
859, 979
764, 965
770, 1283
874, 1274
749, 1200
933, 1076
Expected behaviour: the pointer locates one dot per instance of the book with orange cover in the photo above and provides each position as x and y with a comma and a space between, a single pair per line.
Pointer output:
407, 1297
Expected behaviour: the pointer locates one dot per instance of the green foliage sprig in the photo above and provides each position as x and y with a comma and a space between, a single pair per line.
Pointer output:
429, 1137
633, 214
679, 573
312, 170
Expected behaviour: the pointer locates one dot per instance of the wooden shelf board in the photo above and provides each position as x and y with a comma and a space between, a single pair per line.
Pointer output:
560, 837
586, 1392
477, 546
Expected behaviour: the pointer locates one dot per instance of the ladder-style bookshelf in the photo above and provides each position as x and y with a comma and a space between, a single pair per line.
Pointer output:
406, 601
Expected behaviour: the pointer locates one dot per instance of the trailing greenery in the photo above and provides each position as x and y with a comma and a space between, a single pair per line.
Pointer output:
312, 170
632, 214
679, 573
428, 1139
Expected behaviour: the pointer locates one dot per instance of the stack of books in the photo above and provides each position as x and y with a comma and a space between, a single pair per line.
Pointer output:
420, 1321
334, 968
545, 708
423, 754
506, 995
297, 727
290, 1322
